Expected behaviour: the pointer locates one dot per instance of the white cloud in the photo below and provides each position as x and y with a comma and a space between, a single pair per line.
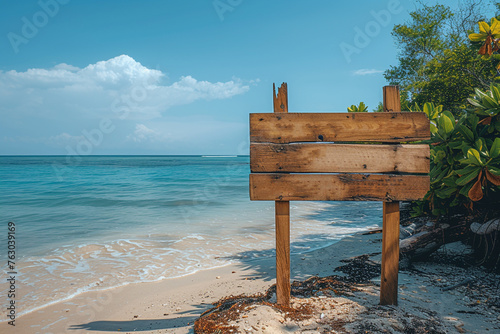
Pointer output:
64, 66
64, 139
116, 87
366, 71
49, 110
143, 133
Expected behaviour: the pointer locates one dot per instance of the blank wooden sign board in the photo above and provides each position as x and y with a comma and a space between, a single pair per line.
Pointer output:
311, 157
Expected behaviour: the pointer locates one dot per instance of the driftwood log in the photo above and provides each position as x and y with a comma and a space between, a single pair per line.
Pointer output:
421, 237
486, 243
429, 237
490, 226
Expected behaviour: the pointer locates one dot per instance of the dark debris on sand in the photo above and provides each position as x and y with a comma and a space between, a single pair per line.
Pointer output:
358, 270
227, 309
408, 324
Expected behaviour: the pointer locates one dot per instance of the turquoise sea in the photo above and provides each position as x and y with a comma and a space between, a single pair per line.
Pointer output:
96, 222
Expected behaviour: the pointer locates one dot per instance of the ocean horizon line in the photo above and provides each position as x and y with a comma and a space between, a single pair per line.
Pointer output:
127, 155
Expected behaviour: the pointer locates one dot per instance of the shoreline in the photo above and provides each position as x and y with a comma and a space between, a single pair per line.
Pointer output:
104, 290
108, 281
176, 296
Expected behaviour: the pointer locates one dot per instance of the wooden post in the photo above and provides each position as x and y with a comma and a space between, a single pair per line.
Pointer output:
390, 225
391, 98
283, 252
390, 254
280, 101
282, 220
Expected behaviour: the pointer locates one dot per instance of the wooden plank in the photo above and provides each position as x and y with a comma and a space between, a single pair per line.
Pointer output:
390, 254
337, 187
282, 210
339, 127
336, 158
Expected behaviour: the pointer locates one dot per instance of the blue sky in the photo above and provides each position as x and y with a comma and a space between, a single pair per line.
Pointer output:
180, 77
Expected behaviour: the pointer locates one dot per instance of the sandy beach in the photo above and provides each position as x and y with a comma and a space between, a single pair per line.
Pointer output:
172, 306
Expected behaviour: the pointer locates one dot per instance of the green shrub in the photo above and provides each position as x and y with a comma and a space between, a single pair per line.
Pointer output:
360, 108
465, 155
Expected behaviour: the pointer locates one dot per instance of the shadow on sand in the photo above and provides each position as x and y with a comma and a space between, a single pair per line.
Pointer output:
183, 319
135, 325
262, 263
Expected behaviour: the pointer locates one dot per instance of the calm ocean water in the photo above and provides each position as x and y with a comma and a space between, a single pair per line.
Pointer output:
105, 221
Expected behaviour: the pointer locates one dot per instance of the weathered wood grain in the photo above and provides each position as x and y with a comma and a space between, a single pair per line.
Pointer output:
390, 224
392, 101
390, 254
337, 187
280, 100
339, 127
339, 158
282, 220
282, 217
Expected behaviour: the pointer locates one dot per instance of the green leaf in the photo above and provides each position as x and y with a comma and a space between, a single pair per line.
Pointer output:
495, 148
479, 144
456, 145
480, 93
435, 171
450, 181
433, 129
450, 115
466, 132
465, 148
488, 101
496, 92
439, 155
463, 180
446, 124
446, 193
473, 155
428, 111
473, 121
489, 111
494, 25
466, 170
494, 170
441, 175
361, 108
465, 190
483, 27
475, 103
483, 112
477, 37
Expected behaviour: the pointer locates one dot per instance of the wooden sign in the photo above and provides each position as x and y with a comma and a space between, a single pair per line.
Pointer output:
339, 157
